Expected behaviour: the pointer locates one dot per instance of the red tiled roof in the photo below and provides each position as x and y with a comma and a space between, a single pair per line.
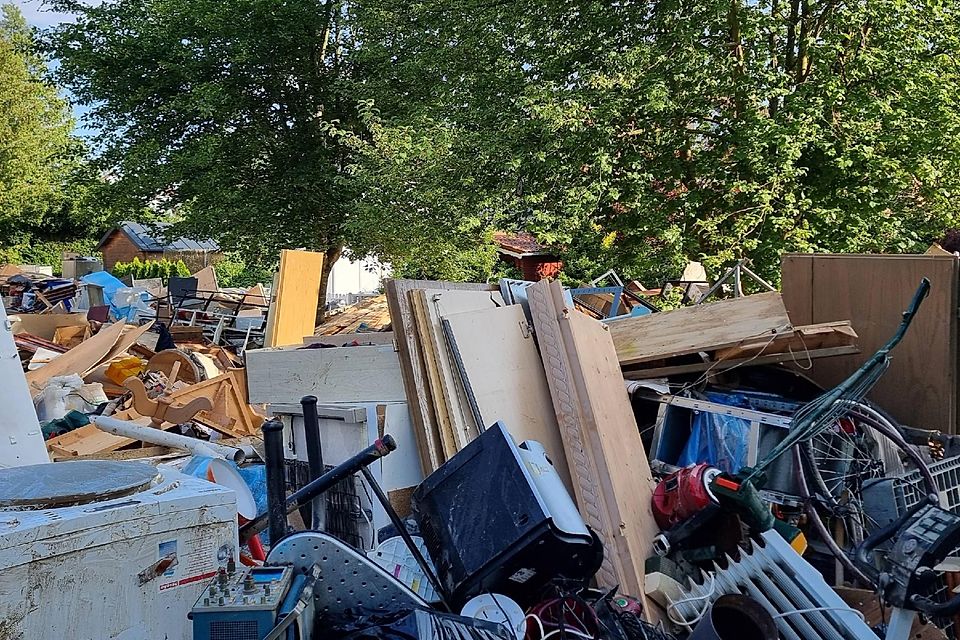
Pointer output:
522, 243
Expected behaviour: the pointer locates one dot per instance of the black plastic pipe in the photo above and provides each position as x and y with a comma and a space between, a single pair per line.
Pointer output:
311, 433
276, 480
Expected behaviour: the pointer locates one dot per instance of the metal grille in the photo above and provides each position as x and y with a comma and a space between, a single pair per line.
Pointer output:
909, 492
781, 582
345, 517
946, 473
236, 630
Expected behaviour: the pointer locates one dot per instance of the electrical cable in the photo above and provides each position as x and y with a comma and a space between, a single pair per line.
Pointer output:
689, 623
815, 609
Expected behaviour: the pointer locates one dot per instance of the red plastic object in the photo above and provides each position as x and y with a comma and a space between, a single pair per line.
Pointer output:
682, 494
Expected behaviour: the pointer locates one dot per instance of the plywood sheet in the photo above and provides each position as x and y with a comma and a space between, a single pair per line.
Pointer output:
920, 388
79, 360
293, 310
507, 377
608, 465
411, 360
342, 374
704, 327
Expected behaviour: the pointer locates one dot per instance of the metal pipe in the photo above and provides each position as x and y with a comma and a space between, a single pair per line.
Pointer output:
167, 439
311, 433
371, 454
276, 514
407, 538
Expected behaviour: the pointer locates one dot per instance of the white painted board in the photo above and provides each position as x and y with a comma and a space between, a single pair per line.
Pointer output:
21, 442
341, 374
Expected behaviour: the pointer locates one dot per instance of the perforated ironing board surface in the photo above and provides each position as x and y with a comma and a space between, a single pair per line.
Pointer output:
348, 579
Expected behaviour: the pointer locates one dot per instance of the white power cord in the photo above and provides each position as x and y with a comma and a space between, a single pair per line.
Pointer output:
689, 623
812, 609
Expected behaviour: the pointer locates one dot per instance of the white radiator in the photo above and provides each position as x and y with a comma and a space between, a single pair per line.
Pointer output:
781, 581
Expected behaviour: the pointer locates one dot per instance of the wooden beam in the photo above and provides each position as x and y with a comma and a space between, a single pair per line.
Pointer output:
608, 465
722, 365
705, 327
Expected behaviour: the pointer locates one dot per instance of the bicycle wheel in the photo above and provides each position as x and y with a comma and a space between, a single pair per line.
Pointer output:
833, 468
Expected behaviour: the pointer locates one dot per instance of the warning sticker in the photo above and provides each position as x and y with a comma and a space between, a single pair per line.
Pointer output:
195, 562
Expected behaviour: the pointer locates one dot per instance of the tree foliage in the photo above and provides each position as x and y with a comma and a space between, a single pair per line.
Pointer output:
143, 269
38, 156
229, 114
632, 135
639, 135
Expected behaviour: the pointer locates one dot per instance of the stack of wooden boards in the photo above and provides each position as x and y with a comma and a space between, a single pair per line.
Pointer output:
468, 360
721, 335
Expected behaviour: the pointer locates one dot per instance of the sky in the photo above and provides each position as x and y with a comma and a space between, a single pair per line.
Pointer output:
35, 14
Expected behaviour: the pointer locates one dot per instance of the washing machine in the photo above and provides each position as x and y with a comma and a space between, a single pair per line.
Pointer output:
97, 550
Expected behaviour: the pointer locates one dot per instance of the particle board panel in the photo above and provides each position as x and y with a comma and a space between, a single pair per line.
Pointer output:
608, 465
341, 374
439, 305
506, 375
411, 360
921, 386
293, 311
704, 327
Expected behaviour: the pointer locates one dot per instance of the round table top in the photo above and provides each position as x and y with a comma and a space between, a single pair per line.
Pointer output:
64, 484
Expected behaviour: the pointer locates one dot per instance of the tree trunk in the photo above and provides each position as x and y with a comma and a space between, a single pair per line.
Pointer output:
330, 257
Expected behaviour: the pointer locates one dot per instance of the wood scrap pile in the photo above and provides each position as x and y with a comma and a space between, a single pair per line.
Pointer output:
370, 315
112, 369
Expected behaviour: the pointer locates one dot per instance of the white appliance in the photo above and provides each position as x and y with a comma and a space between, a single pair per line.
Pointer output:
97, 550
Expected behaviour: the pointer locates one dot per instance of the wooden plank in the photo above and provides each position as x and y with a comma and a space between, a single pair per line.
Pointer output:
608, 465
439, 409
411, 360
293, 309
507, 377
704, 327
79, 360
801, 359
342, 374
825, 335
364, 339
921, 386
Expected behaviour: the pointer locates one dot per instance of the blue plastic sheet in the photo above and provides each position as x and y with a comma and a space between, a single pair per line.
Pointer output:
717, 439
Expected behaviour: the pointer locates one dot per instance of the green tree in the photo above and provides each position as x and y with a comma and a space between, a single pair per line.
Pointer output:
229, 114
640, 135
37, 153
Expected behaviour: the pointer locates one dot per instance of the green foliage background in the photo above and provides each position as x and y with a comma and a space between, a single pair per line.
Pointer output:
628, 135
